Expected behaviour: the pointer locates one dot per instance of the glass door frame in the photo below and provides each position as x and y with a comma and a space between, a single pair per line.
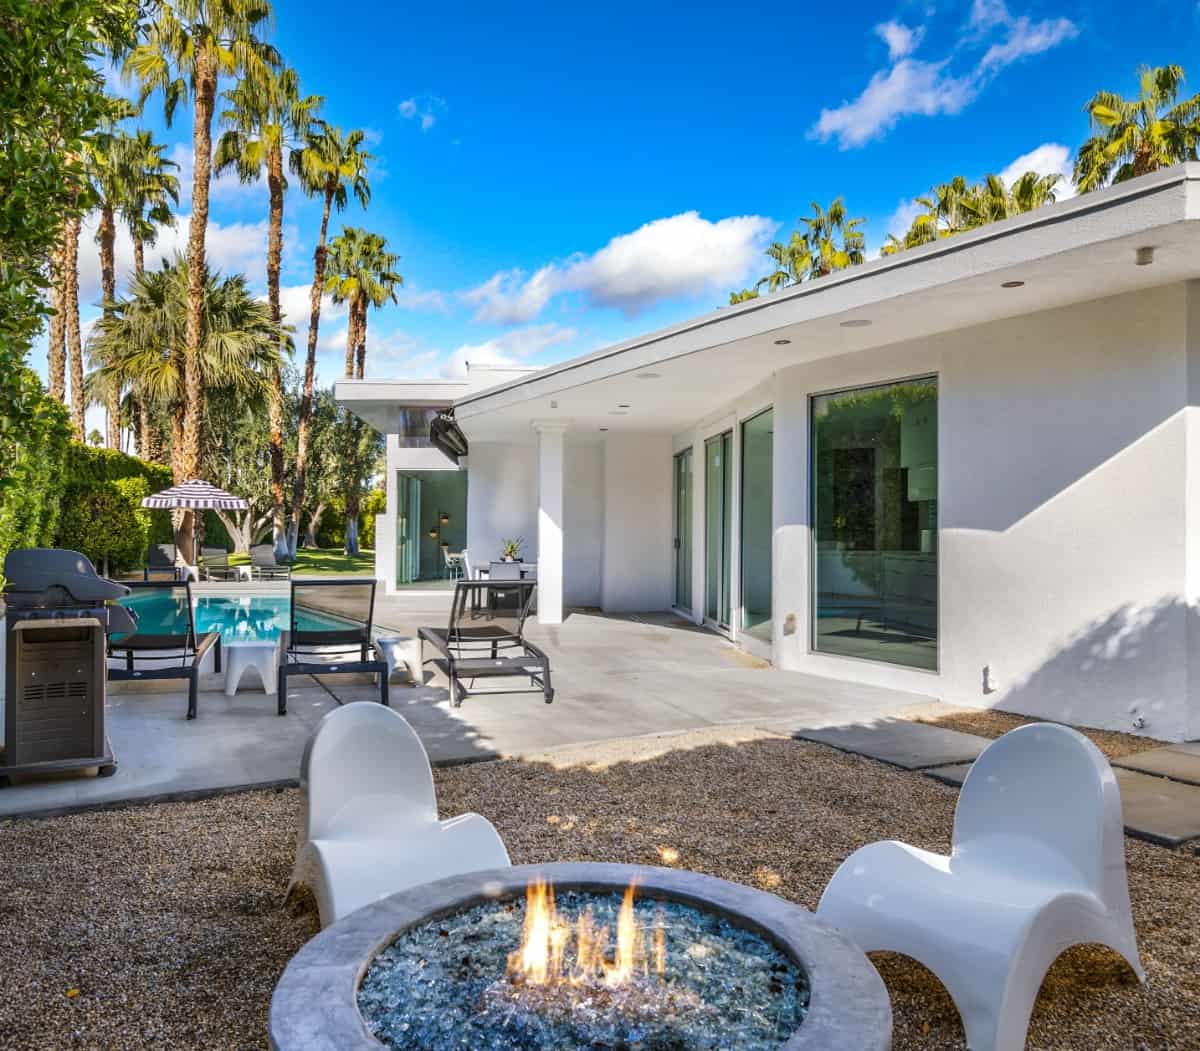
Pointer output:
682, 553
725, 580
812, 532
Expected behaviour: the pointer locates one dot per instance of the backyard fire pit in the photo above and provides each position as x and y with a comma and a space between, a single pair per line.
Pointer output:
572, 956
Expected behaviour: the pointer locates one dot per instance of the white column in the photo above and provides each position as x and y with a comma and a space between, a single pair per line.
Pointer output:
550, 522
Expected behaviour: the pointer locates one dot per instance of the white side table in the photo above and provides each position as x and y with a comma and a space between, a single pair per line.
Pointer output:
243, 654
401, 651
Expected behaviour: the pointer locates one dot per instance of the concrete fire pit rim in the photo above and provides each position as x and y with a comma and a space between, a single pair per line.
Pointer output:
314, 1006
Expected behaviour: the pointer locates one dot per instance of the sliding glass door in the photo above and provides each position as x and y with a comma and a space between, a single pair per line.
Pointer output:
683, 530
874, 515
718, 503
758, 441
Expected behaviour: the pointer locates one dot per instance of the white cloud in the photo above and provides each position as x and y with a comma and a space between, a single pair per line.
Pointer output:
902, 218
901, 40
230, 248
425, 109
912, 87
1051, 158
512, 348
680, 256
295, 304
429, 300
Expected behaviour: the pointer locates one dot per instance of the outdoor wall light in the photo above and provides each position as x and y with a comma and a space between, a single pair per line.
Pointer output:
433, 534
860, 322
1144, 256
782, 342
444, 518
1012, 284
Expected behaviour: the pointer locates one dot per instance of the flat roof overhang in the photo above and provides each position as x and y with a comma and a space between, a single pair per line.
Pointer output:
1066, 253
383, 403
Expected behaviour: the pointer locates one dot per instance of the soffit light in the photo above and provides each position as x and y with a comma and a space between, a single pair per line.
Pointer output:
1012, 284
782, 342
858, 322
622, 405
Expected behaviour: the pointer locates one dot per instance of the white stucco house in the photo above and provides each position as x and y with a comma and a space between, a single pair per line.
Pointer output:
970, 470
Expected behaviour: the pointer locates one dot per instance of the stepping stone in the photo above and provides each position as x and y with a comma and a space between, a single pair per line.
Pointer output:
901, 742
1158, 810
954, 774
1180, 762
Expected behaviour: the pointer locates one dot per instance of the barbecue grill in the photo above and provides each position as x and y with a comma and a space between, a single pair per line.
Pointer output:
57, 616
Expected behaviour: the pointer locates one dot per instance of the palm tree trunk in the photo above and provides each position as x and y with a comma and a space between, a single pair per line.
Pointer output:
304, 424
193, 381
145, 431
71, 321
351, 339
275, 397
108, 286
139, 254
56, 363
361, 351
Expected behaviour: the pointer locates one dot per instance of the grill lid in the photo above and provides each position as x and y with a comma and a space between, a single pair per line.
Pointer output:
52, 577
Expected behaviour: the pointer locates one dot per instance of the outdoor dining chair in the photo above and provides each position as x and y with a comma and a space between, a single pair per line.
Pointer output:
160, 562
1037, 864
485, 638
342, 650
370, 823
166, 639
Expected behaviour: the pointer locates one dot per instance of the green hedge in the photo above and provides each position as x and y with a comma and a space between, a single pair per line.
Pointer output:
87, 466
106, 521
30, 490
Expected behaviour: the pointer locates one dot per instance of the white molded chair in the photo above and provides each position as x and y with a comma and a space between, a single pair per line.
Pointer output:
370, 826
1037, 865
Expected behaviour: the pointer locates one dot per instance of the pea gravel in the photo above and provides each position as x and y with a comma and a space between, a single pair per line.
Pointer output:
164, 926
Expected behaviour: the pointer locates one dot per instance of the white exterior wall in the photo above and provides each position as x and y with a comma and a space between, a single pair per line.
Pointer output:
583, 531
1062, 512
636, 575
502, 499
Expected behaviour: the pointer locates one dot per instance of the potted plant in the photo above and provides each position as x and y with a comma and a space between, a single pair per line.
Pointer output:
511, 549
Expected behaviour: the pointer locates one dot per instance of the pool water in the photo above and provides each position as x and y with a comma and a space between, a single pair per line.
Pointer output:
256, 618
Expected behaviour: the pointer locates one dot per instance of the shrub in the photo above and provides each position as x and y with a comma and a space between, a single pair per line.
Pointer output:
86, 467
106, 521
374, 503
30, 491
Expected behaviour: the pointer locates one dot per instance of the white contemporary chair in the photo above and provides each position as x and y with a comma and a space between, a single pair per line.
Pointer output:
370, 826
1037, 865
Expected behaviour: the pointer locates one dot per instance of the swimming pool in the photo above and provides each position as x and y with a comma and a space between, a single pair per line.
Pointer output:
250, 618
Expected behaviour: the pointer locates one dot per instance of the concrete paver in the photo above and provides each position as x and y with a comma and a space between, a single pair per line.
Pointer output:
901, 742
1180, 762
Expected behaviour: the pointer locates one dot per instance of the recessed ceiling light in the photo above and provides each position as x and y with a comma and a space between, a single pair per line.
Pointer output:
782, 342
1012, 284
604, 428
648, 375
622, 405
858, 322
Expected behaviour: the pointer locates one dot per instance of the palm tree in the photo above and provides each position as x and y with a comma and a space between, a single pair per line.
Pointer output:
190, 44
330, 165
142, 343
834, 241
744, 296
362, 274
1139, 135
792, 261
151, 189
263, 117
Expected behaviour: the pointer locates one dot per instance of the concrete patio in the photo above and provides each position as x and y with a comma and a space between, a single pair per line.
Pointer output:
615, 677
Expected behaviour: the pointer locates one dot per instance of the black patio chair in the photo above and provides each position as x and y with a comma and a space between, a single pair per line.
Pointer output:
330, 651
160, 560
265, 567
172, 638
215, 564
486, 638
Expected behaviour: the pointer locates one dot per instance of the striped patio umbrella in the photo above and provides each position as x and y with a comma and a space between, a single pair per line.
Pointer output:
195, 496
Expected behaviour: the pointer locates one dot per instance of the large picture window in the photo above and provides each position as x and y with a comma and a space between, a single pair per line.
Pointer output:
758, 447
874, 515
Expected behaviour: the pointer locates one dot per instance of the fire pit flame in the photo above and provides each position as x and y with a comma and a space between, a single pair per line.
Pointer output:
553, 952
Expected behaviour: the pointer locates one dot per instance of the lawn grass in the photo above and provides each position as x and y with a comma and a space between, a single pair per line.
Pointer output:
325, 562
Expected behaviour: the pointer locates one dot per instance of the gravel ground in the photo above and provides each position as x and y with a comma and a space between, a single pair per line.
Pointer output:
164, 925
992, 723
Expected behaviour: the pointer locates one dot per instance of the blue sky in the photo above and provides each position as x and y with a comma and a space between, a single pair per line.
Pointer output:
558, 177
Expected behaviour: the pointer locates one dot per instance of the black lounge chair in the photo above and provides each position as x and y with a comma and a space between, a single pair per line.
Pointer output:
304, 651
160, 561
486, 638
265, 567
180, 644
215, 564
